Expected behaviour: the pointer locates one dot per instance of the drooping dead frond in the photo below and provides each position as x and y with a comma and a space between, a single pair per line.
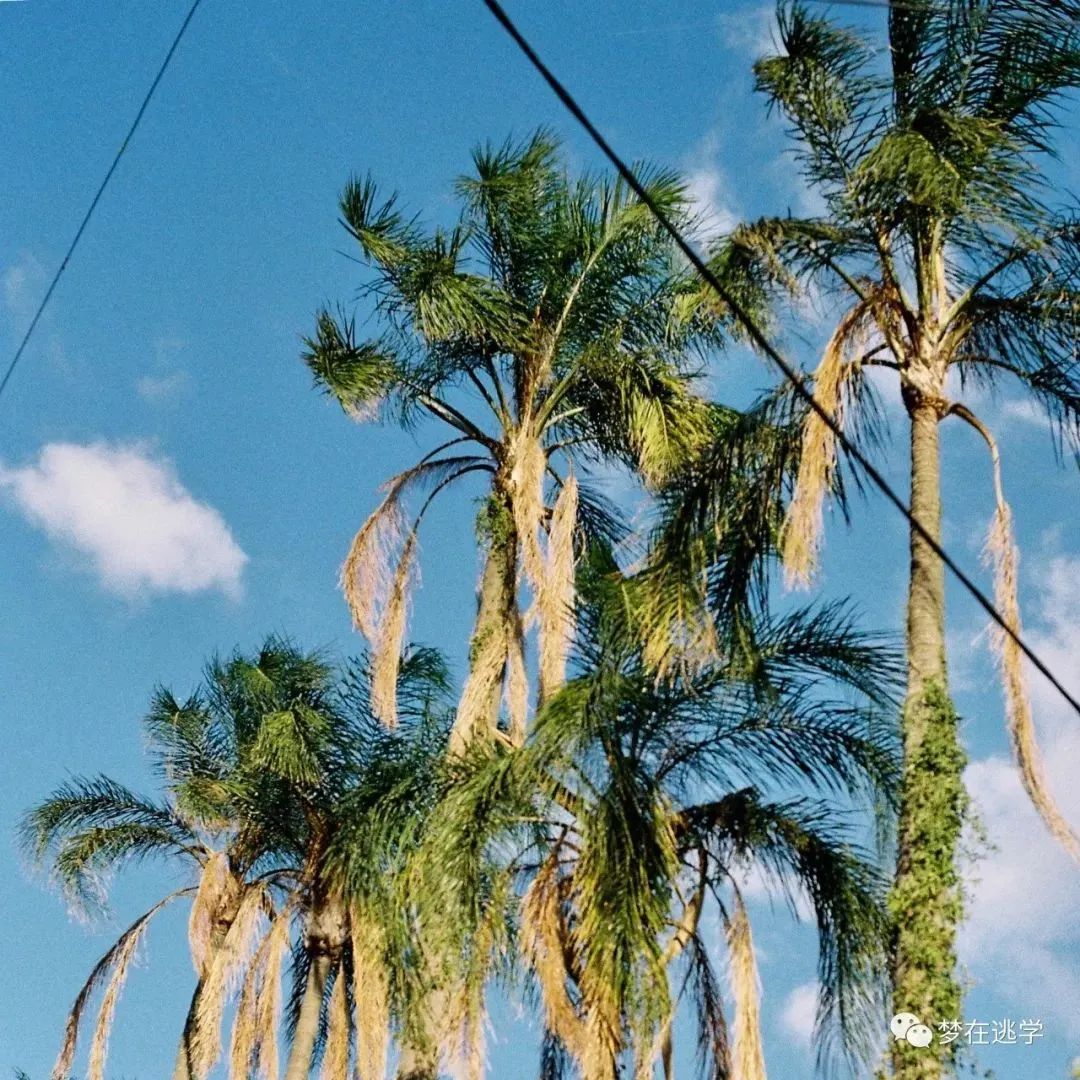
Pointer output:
1002, 555
245, 1026
122, 950
269, 1017
369, 572
542, 942
527, 502
335, 1062
99, 1047
479, 705
555, 598
216, 889
367, 575
371, 996
800, 538
517, 680
229, 960
1001, 549
748, 1057
386, 658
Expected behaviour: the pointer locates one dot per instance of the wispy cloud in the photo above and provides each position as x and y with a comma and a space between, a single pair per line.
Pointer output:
22, 285
166, 382
799, 1012
160, 388
126, 513
715, 205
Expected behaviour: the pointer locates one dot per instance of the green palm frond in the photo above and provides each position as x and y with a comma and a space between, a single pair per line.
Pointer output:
89, 826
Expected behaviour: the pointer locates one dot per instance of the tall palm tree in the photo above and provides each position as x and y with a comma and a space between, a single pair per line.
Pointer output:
255, 766
636, 808
546, 330
955, 271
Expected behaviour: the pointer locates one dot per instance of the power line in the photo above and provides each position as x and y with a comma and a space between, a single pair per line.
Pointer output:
756, 335
96, 199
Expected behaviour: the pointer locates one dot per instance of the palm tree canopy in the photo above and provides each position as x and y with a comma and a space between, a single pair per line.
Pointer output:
256, 766
636, 802
937, 224
550, 326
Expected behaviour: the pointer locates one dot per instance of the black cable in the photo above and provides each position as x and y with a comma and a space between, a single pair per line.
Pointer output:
97, 198
756, 335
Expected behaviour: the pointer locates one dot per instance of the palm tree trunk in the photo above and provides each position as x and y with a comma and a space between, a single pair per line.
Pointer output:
926, 901
307, 1024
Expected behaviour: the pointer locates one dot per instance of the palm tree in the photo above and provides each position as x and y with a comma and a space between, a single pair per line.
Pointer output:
90, 826
954, 272
255, 767
636, 808
546, 331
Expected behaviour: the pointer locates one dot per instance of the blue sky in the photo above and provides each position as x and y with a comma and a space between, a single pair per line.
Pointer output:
167, 372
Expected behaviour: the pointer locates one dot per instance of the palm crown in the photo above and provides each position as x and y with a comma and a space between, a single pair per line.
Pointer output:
635, 809
257, 767
549, 327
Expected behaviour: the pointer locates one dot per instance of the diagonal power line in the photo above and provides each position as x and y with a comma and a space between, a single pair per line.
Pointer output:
96, 199
757, 336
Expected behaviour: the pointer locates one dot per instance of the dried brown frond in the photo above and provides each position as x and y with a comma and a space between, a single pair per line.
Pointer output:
800, 537
266, 1038
479, 705
527, 502
1002, 555
121, 950
216, 889
367, 575
335, 1062
371, 995
386, 657
517, 680
543, 943
99, 1047
748, 1056
245, 1026
1002, 552
229, 960
555, 597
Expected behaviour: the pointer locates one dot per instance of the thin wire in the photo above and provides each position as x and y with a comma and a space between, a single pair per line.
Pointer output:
762, 342
97, 198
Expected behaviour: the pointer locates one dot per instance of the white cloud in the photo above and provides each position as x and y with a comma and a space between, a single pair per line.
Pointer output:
129, 516
798, 1013
708, 185
1022, 935
708, 188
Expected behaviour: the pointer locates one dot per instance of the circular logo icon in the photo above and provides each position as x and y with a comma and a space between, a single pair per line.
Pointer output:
919, 1035
901, 1024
